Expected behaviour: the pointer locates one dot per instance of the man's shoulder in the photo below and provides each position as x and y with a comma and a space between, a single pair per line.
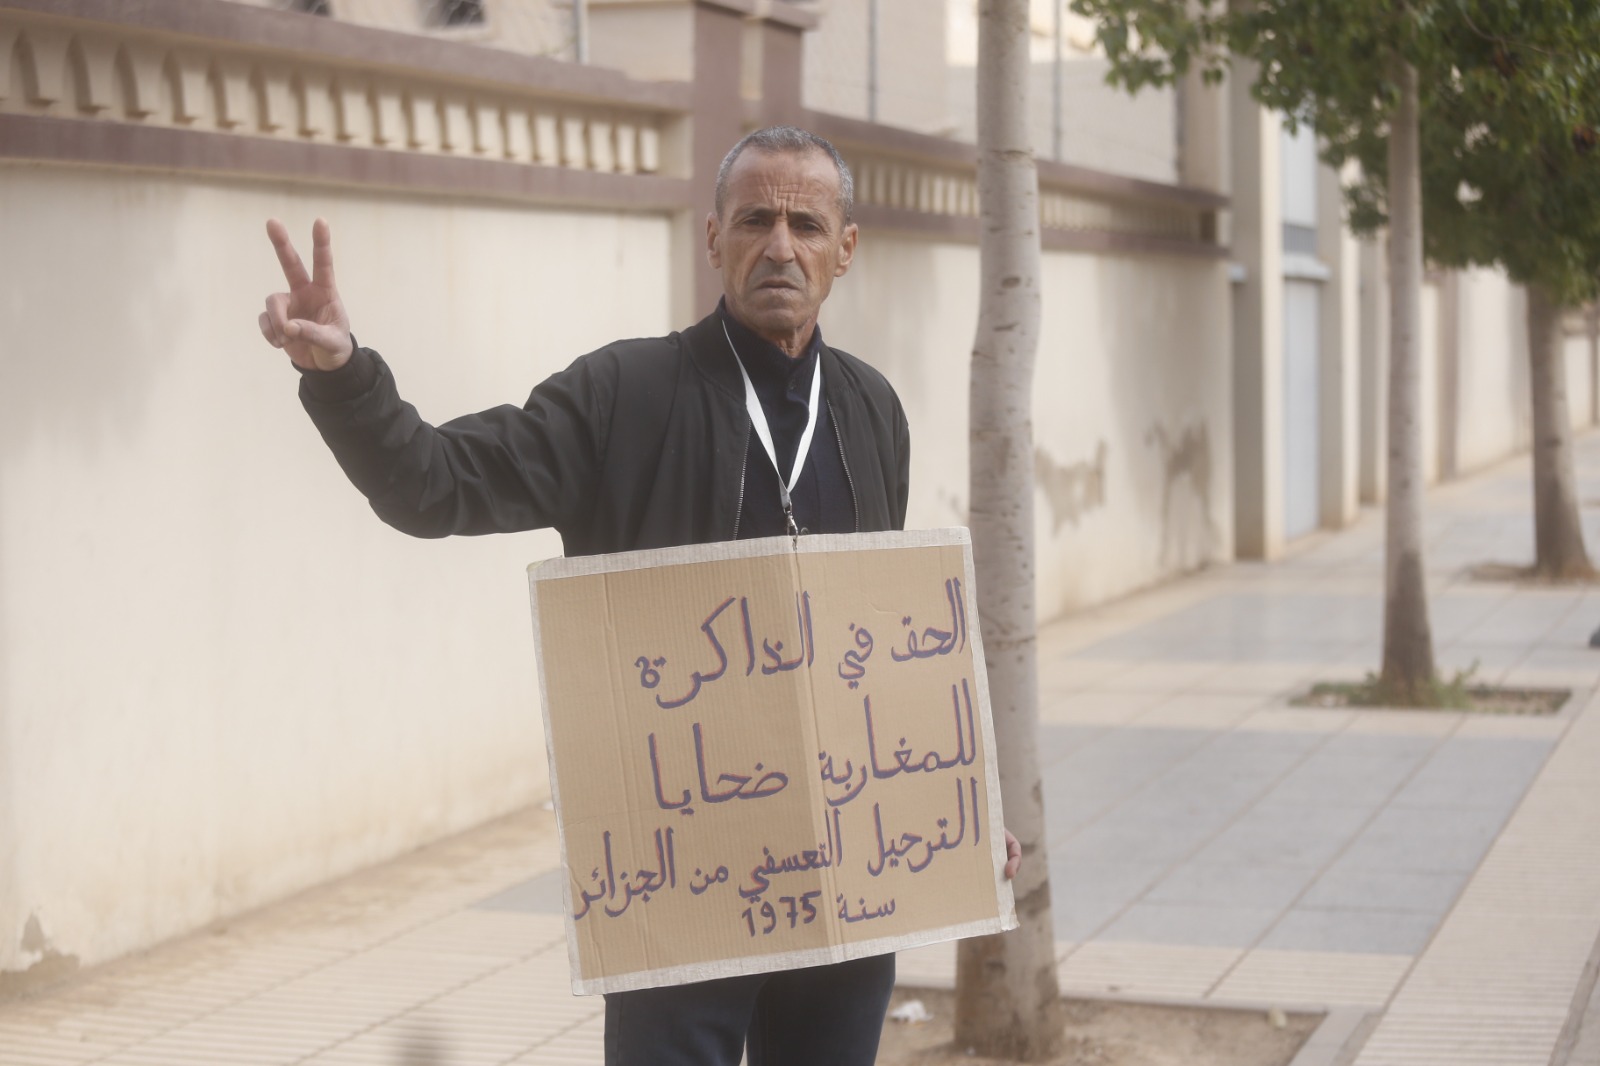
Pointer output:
630, 349
644, 354
863, 376
630, 358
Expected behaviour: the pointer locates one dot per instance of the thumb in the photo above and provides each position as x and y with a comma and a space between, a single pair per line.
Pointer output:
334, 339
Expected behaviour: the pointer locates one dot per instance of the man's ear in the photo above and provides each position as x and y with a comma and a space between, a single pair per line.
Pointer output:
713, 231
847, 250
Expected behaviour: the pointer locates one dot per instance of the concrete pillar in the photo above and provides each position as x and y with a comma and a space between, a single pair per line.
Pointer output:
1447, 424
1257, 241
718, 106
736, 54
781, 28
1339, 380
1203, 133
1372, 475
1591, 319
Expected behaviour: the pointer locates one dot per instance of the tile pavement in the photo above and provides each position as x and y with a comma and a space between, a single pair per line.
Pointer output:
1208, 843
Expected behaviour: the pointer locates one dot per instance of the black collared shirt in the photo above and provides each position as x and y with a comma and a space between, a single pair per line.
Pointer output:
821, 498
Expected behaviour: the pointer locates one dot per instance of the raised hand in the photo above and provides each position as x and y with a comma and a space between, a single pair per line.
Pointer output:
308, 321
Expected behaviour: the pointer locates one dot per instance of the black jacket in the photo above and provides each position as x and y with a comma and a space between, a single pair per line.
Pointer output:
641, 444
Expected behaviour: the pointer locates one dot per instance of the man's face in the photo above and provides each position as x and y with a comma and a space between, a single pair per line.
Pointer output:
780, 242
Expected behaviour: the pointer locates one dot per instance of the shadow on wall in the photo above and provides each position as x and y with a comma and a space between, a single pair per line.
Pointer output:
1073, 490
49, 966
1165, 329
1188, 532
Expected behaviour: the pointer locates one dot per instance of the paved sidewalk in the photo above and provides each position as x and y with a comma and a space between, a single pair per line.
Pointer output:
1208, 843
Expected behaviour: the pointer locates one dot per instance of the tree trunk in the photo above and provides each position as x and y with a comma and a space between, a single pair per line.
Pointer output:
1408, 672
1557, 533
1007, 996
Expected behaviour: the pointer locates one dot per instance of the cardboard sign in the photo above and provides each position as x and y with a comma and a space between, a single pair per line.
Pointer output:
768, 754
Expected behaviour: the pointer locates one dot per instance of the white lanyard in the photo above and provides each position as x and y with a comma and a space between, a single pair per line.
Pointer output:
758, 421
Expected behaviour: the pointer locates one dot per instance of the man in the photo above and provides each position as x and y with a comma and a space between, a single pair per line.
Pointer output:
720, 432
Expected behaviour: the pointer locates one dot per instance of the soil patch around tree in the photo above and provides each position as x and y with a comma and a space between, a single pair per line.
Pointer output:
1113, 1033
1456, 695
1526, 574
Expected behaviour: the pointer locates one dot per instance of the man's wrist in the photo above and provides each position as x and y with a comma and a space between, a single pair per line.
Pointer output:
354, 377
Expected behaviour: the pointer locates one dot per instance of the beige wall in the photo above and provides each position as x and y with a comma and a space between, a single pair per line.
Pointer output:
1493, 409
1430, 380
1495, 412
1128, 344
221, 678
1580, 379
648, 39
1101, 127
911, 58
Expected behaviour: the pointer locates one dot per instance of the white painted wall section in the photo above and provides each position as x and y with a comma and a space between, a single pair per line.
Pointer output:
222, 679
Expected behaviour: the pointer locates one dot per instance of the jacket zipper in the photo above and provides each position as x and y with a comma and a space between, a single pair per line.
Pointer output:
838, 438
744, 463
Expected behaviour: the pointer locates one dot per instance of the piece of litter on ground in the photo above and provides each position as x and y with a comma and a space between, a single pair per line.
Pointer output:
911, 1012
1276, 1018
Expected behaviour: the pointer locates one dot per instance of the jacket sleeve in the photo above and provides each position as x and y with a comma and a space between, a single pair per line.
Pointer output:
902, 459
498, 471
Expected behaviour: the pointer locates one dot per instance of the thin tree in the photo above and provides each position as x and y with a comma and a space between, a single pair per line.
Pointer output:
1007, 997
1408, 675
1350, 69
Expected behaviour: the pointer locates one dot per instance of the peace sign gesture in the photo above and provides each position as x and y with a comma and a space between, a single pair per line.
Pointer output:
308, 321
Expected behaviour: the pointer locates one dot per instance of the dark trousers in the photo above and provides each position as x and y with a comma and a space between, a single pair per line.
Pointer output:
819, 1016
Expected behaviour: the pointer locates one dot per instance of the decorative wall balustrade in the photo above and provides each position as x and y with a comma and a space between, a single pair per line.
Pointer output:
127, 74
913, 185
918, 182
212, 85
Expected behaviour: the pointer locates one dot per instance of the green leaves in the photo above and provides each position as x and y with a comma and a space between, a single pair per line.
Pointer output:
1510, 108
1154, 42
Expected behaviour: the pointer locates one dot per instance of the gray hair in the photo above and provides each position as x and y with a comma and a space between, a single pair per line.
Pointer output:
779, 139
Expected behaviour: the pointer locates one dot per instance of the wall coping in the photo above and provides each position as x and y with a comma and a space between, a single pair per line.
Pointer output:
314, 37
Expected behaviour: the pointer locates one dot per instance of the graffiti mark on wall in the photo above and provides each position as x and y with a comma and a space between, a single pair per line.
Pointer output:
1072, 490
955, 503
1188, 531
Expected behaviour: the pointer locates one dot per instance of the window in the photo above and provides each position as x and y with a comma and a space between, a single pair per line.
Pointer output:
455, 12
312, 7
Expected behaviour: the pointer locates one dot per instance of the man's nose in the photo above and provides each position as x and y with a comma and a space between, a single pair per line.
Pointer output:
779, 247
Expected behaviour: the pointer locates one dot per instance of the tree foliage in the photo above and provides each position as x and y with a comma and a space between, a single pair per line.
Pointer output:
1510, 109
1510, 172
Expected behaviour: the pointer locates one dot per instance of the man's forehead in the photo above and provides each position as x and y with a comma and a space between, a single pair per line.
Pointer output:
756, 170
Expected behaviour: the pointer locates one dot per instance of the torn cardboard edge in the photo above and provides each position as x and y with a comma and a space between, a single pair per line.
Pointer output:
582, 566
786, 960
809, 544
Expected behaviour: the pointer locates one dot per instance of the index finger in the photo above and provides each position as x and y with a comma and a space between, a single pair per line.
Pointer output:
294, 271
